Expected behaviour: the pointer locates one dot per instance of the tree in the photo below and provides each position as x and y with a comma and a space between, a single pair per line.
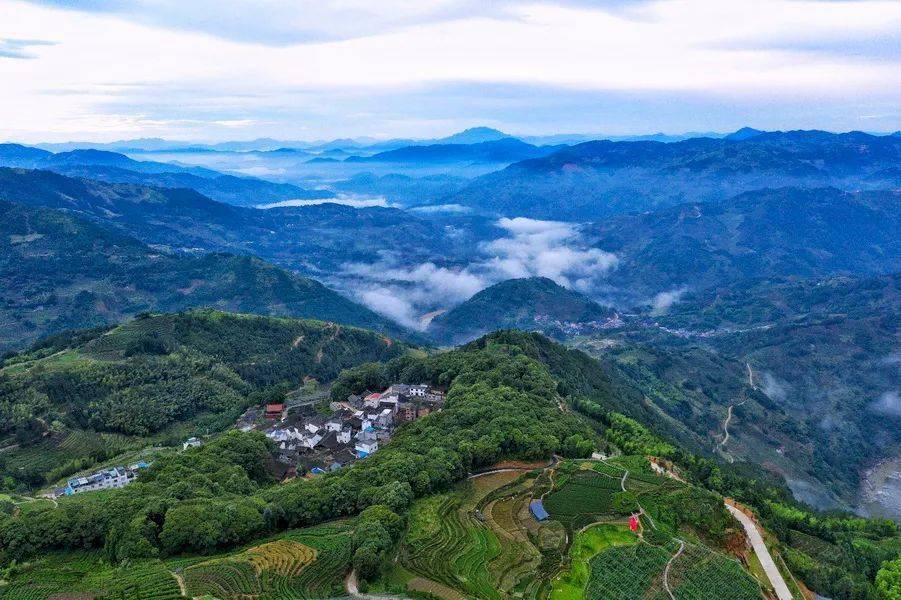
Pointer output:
888, 580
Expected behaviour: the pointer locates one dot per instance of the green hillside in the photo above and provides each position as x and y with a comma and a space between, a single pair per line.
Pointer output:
535, 303
137, 381
59, 272
213, 519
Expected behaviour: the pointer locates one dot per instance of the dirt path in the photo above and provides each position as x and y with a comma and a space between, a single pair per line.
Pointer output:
181, 584
722, 445
750, 376
669, 564
763, 553
353, 589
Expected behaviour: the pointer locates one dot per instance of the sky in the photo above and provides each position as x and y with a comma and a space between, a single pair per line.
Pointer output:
214, 70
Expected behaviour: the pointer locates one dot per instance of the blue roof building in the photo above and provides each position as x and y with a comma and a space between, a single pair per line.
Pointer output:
537, 510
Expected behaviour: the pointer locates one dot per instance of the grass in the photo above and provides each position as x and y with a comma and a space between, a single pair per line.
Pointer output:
571, 584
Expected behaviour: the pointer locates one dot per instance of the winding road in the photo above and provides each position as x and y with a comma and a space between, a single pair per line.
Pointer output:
763, 553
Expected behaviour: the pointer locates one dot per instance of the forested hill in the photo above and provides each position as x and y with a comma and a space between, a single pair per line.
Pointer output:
535, 303
761, 234
315, 239
142, 376
59, 272
598, 179
510, 396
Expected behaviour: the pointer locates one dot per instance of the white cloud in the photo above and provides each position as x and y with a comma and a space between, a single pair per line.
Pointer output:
677, 46
532, 248
662, 302
545, 249
774, 388
354, 200
889, 403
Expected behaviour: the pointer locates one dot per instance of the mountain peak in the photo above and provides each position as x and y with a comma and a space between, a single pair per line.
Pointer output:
474, 135
744, 133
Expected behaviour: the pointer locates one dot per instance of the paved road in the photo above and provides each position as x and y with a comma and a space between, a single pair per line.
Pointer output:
763, 554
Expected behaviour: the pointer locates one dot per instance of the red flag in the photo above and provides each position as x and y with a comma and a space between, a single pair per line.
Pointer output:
633, 523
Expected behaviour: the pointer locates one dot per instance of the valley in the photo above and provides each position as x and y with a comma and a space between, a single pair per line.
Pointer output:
742, 336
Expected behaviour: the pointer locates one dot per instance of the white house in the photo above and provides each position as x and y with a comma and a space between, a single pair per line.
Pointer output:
344, 435
365, 448
192, 442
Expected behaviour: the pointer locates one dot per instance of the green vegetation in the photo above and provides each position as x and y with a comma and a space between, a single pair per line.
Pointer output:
587, 544
59, 272
143, 381
535, 303
214, 513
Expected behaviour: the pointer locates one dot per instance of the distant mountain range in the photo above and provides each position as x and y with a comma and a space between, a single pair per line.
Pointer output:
118, 168
505, 150
595, 180
60, 272
531, 304
766, 233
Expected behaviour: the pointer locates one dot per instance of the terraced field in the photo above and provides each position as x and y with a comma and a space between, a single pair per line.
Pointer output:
629, 572
571, 584
306, 563
701, 574
472, 540
85, 575
581, 497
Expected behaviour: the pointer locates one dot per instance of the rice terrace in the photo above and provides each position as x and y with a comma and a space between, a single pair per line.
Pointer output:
481, 540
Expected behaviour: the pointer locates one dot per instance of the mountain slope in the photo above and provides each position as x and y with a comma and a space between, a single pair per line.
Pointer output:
144, 375
767, 233
59, 272
535, 303
598, 179
310, 239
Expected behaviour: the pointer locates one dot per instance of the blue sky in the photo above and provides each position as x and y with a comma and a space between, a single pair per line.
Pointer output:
234, 69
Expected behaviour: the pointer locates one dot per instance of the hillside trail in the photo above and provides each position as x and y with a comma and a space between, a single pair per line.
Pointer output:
722, 445
669, 564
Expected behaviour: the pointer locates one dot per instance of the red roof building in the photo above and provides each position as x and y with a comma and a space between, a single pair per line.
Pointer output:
274, 411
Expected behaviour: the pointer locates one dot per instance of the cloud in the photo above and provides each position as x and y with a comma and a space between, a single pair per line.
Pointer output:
441, 208
530, 248
281, 22
774, 388
549, 249
18, 48
167, 68
354, 200
889, 403
662, 302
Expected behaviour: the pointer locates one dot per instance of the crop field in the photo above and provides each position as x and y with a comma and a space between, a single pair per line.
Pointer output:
814, 547
307, 563
701, 574
583, 496
629, 572
473, 541
571, 584
85, 575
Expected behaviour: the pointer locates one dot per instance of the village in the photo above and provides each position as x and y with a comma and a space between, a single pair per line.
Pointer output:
311, 443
